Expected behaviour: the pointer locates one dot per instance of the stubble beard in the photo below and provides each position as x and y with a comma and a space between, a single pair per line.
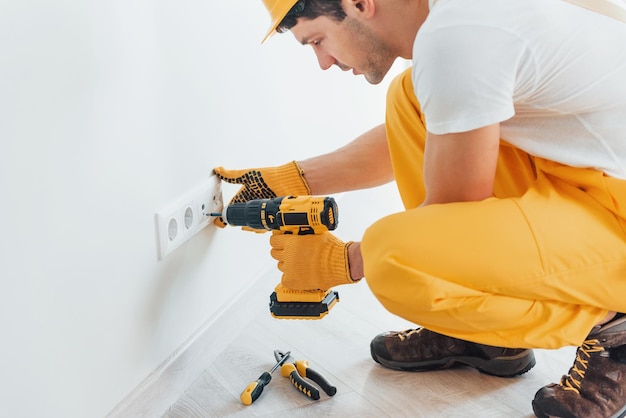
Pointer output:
377, 53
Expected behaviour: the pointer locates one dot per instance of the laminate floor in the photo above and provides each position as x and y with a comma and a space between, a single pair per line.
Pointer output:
338, 347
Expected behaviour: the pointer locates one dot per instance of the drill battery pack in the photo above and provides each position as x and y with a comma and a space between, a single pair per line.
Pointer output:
301, 304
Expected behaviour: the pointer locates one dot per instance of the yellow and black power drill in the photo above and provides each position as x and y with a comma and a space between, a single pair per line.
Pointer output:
299, 215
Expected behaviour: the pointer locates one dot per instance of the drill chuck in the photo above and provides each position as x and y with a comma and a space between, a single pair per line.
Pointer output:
249, 213
297, 215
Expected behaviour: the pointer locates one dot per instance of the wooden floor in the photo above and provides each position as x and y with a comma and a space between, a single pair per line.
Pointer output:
338, 347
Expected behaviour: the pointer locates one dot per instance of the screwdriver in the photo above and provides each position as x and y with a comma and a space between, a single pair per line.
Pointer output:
254, 389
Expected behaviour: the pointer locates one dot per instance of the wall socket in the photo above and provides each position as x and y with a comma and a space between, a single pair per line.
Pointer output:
189, 214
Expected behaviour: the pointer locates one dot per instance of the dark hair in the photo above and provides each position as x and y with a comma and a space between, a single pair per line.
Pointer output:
311, 9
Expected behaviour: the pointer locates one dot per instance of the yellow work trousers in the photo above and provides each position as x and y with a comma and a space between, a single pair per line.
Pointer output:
536, 266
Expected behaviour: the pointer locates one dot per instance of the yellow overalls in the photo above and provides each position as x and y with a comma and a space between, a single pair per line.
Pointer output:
536, 266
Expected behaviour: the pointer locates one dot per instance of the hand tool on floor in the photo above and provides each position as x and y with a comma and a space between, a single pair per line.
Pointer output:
298, 215
298, 371
252, 392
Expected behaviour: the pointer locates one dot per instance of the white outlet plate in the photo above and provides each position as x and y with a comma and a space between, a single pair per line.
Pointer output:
189, 214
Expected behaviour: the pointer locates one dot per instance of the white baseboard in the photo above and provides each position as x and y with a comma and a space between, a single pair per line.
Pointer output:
163, 387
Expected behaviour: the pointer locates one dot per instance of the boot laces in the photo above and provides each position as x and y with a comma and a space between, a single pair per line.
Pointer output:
583, 356
403, 335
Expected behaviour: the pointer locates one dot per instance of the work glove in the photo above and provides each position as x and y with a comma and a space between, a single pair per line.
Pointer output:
311, 262
264, 183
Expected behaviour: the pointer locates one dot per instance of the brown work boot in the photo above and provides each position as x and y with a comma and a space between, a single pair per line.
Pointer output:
422, 350
595, 386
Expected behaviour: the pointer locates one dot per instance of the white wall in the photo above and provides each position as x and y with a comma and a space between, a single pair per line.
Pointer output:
108, 112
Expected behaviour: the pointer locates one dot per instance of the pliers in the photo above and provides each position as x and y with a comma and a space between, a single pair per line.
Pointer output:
298, 371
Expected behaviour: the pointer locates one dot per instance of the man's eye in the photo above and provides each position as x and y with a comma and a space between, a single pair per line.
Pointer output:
316, 43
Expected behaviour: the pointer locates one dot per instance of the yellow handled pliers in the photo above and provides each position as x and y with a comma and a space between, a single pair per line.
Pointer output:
298, 371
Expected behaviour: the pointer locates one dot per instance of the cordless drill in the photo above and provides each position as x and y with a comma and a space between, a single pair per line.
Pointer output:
299, 215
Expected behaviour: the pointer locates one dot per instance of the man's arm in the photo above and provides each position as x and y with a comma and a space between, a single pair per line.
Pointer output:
461, 167
362, 163
458, 167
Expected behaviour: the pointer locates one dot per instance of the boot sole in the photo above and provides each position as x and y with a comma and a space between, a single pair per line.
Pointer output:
509, 366
563, 413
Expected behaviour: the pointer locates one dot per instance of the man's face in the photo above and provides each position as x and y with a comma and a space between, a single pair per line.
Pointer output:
350, 45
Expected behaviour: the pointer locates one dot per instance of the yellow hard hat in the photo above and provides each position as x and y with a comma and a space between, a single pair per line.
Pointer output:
277, 9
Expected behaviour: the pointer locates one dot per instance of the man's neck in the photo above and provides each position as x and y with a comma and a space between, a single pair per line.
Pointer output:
414, 17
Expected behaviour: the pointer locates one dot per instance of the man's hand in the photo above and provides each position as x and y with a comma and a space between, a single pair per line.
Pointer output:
264, 183
311, 261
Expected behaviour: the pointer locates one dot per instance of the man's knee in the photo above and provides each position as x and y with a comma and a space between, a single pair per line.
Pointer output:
380, 261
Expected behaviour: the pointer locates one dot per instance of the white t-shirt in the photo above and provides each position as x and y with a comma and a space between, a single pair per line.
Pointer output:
552, 73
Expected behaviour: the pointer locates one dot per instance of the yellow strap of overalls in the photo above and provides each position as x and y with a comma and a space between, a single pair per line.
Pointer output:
602, 6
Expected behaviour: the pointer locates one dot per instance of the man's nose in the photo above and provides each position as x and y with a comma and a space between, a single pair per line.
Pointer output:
325, 60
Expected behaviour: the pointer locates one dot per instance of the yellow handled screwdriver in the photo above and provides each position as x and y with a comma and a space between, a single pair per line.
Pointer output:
252, 392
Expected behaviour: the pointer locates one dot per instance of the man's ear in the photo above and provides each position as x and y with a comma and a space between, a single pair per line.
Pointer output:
363, 8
